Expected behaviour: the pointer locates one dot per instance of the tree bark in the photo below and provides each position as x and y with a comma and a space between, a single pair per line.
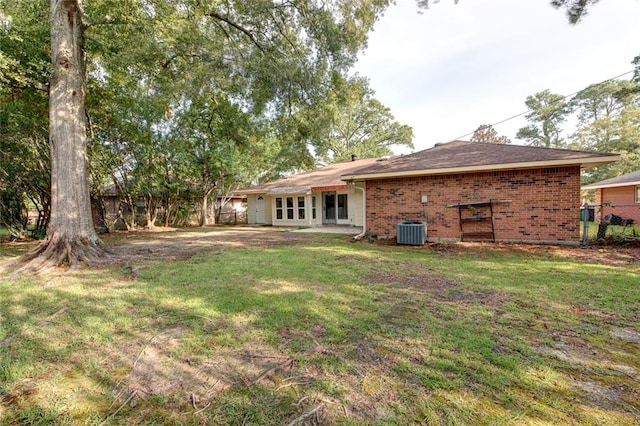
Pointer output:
70, 234
204, 208
150, 210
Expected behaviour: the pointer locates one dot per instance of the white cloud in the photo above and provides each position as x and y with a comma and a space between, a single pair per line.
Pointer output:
454, 67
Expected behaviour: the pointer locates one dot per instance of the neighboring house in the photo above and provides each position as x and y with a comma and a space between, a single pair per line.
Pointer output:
108, 211
619, 196
231, 211
314, 198
472, 190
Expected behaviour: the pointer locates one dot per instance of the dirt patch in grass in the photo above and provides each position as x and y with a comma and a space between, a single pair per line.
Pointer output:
627, 335
606, 397
617, 255
156, 369
141, 246
603, 384
257, 368
422, 280
175, 244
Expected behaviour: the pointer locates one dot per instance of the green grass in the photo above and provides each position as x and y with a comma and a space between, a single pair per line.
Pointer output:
613, 233
4, 232
370, 334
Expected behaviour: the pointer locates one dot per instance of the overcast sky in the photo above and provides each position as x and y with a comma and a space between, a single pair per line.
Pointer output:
454, 67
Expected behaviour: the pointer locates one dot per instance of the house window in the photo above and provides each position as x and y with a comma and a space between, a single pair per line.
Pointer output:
343, 212
290, 208
638, 194
286, 208
301, 208
313, 207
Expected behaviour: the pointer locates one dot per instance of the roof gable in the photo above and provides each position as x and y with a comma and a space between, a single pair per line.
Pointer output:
464, 156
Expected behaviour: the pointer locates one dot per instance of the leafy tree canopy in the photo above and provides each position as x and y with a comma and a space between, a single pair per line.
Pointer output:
608, 116
547, 112
485, 133
575, 9
605, 117
350, 121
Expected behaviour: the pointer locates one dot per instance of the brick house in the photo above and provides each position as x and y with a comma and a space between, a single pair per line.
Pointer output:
470, 191
619, 196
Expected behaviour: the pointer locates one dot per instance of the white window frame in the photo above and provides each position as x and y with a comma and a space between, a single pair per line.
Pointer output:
279, 209
301, 208
345, 208
313, 207
290, 208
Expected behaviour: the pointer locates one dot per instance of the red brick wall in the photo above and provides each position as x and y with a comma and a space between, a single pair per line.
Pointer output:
619, 201
545, 203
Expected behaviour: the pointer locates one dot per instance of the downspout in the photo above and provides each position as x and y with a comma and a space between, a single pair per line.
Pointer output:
364, 213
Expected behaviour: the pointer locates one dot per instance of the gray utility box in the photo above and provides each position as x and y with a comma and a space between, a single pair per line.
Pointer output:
411, 232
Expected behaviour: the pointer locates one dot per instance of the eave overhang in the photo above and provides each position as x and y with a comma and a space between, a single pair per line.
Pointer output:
584, 163
612, 185
330, 187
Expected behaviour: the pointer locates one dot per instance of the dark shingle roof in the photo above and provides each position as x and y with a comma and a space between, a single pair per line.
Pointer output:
463, 156
632, 178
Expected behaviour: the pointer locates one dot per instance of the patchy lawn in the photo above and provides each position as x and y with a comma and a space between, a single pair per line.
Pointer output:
263, 326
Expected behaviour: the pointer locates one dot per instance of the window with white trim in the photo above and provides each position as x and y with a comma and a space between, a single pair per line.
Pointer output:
300, 208
313, 207
290, 208
638, 194
290, 211
343, 211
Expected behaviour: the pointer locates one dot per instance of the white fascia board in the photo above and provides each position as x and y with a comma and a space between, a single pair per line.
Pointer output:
584, 163
612, 185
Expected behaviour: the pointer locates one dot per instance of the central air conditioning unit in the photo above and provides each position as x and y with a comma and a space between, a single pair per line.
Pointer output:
411, 232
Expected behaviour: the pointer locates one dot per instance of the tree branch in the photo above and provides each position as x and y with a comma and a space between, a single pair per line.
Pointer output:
10, 97
237, 27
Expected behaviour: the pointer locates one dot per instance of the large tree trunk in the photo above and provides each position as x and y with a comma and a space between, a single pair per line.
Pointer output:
70, 235
204, 207
150, 211
203, 210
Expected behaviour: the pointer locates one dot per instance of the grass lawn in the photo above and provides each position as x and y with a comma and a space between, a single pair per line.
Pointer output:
613, 232
319, 330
